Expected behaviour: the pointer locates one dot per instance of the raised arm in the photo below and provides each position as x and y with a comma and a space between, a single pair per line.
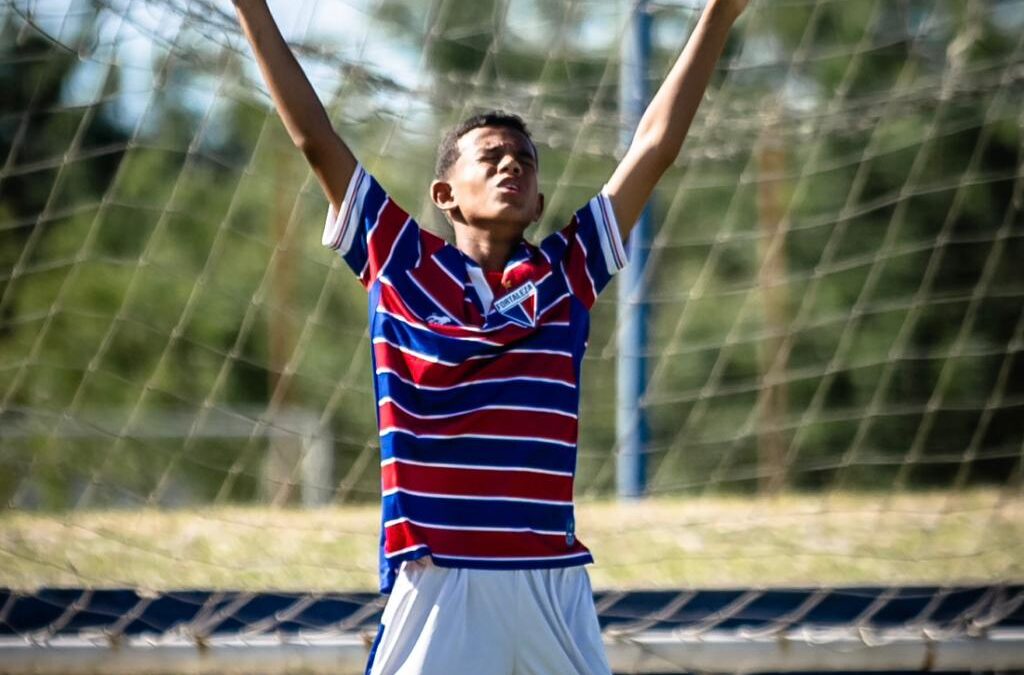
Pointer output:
667, 119
297, 104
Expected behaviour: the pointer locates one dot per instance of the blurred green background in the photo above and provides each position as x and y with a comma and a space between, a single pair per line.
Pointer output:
836, 275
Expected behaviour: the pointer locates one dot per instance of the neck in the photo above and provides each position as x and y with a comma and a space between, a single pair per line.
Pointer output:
490, 250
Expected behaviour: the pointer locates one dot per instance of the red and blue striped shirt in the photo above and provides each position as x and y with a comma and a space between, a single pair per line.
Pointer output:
477, 391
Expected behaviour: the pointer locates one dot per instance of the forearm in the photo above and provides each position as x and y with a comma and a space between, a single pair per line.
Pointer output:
667, 120
296, 101
665, 123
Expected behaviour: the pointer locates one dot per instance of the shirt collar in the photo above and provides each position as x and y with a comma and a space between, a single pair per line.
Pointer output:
522, 253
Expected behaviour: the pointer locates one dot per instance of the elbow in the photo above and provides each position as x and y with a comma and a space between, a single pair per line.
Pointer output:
660, 139
657, 151
665, 158
313, 150
306, 145
315, 145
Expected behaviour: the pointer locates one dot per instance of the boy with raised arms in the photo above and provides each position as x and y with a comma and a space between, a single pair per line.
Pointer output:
477, 352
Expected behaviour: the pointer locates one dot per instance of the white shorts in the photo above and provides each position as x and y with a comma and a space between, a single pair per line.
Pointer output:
447, 621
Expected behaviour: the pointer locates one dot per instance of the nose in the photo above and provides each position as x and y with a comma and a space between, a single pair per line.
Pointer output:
511, 164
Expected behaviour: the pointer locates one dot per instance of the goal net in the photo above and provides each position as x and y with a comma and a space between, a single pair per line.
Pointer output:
835, 391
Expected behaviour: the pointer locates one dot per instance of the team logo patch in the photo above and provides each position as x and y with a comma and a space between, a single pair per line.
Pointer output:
519, 305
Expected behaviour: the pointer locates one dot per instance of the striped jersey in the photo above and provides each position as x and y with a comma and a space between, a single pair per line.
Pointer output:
477, 391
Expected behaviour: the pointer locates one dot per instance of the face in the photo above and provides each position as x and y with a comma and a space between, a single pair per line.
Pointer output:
494, 181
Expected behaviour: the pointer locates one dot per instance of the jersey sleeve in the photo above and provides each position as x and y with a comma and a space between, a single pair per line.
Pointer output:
588, 251
371, 232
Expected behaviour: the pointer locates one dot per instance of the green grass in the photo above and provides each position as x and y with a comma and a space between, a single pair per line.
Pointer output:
809, 540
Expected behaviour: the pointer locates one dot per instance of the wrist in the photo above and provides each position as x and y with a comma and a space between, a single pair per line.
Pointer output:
725, 10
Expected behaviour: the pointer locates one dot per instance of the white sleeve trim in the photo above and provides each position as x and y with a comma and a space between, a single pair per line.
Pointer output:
608, 232
341, 226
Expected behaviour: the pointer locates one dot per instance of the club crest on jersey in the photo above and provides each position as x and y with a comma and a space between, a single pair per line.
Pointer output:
519, 304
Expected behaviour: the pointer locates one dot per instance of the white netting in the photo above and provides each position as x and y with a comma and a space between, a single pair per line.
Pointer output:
835, 287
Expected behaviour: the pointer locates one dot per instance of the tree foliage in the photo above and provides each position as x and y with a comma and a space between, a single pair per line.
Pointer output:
154, 249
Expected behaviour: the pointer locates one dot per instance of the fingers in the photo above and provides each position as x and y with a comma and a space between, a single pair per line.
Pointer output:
421, 563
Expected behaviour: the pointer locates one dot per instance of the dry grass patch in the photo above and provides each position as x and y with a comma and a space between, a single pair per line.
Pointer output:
678, 543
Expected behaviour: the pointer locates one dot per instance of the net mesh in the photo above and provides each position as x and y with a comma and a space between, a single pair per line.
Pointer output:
836, 388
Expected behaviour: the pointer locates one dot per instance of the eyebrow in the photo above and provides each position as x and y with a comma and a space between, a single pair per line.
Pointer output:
521, 151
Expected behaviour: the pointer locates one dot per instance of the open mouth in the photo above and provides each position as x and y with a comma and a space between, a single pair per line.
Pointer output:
509, 185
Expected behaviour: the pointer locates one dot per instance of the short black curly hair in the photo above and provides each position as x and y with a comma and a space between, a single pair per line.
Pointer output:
448, 151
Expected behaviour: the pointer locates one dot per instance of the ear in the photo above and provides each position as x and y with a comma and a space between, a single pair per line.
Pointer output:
540, 207
442, 196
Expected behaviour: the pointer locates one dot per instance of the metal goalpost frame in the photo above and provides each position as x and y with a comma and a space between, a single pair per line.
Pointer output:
631, 365
650, 653
938, 629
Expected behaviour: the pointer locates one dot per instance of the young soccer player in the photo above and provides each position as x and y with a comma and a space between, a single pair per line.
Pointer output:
477, 349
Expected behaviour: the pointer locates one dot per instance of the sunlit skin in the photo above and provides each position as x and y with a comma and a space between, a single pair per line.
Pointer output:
489, 221
491, 193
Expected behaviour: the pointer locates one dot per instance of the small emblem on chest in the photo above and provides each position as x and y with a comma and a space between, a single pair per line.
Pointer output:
440, 319
515, 297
